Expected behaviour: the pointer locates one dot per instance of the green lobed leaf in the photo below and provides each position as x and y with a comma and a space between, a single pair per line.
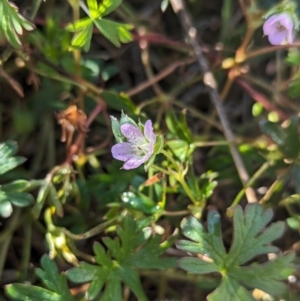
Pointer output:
93, 8
294, 87
15, 186
108, 6
118, 102
19, 199
57, 285
97, 283
273, 130
26, 292
248, 242
113, 289
292, 141
7, 161
101, 257
209, 244
8, 149
251, 237
114, 246
148, 257
196, 266
11, 163
133, 248
12, 23
85, 273
83, 38
258, 276
115, 32
139, 201
286, 138
50, 275
179, 126
293, 57
79, 25
131, 278
181, 149
230, 290
7, 27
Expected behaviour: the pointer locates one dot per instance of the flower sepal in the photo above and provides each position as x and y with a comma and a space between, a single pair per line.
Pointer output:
126, 119
159, 145
116, 125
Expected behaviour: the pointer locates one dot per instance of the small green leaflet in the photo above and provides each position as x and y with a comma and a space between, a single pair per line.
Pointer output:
57, 287
115, 32
286, 138
12, 23
251, 237
12, 193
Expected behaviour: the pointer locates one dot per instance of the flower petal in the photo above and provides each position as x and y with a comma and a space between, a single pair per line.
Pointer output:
277, 38
270, 27
123, 151
134, 162
279, 27
132, 133
148, 131
286, 21
147, 156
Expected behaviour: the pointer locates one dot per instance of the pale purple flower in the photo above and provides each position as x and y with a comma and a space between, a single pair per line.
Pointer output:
139, 147
279, 28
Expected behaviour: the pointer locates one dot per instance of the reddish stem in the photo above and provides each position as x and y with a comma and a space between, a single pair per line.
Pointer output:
258, 97
74, 148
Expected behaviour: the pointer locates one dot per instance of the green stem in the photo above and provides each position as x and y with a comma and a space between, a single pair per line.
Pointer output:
210, 143
178, 176
176, 213
92, 232
274, 186
187, 190
168, 156
26, 248
257, 175
180, 179
6, 236
35, 7
167, 172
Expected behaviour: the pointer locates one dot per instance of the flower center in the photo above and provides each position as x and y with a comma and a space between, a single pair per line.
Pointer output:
141, 149
280, 27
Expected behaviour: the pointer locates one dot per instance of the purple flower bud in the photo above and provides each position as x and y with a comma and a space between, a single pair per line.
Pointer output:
139, 147
279, 28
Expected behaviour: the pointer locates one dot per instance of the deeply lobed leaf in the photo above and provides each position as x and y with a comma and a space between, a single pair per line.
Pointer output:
119, 263
115, 32
12, 23
251, 238
57, 288
12, 193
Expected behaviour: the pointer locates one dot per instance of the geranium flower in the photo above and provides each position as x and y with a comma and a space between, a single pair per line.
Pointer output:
139, 147
279, 28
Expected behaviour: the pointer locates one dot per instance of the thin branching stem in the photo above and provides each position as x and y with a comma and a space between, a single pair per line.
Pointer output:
210, 82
